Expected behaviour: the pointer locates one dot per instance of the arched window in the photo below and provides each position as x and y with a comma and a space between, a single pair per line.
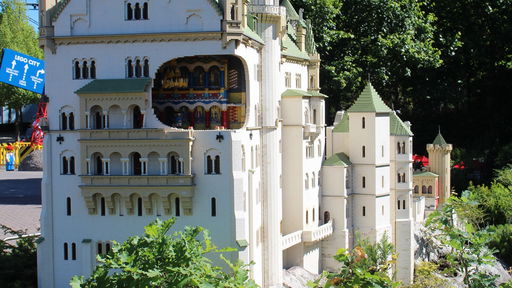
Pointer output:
429, 189
175, 164
103, 207
327, 217
129, 68
214, 76
177, 206
307, 216
363, 124
398, 151
136, 164
364, 182
66, 257
403, 147
214, 207
424, 189
313, 215
364, 210
403, 204
77, 70
137, 11
129, 11
364, 151
72, 165
85, 70
198, 77
398, 204
138, 68
145, 11
93, 69
138, 118
382, 210
65, 163
63, 121
217, 164
313, 181
71, 120
209, 165
306, 181
99, 249
68, 206
139, 206
399, 179
416, 189
73, 251
403, 177
98, 161
146, 67
107, 248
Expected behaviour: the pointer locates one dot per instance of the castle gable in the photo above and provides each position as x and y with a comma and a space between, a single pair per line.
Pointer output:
99, 17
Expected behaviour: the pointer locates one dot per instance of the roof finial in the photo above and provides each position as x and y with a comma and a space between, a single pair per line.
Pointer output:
439, 129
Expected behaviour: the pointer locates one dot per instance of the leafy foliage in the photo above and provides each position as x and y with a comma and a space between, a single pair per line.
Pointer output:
425, 277
160, 260
367, 265
18, 261
468, 245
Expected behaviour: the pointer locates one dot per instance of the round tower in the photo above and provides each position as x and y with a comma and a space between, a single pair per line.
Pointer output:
439, 162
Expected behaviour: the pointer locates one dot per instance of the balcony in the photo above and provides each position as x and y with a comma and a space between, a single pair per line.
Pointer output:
318, 233
134, 134
291, 239
311, 129
142, 180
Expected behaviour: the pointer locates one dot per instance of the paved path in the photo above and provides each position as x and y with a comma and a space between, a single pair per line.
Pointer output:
20, 201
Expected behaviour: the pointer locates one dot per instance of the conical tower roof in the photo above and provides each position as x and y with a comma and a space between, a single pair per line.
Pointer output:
439, 140
369, 101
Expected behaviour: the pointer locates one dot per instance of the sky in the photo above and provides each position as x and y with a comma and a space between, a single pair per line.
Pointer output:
32, 14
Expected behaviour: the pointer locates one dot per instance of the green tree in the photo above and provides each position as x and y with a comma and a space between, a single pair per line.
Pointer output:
17, 34
387, 41
18, 260
367, 265
425, 277
160, 260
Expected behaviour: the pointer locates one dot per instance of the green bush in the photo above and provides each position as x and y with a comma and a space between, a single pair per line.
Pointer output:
501, 241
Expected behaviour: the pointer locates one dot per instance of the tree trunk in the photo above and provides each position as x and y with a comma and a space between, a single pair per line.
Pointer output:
18, 123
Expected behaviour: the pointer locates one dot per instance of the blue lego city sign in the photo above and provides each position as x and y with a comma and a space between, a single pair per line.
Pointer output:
22, 71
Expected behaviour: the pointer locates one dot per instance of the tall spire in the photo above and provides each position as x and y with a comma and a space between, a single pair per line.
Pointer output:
439, 139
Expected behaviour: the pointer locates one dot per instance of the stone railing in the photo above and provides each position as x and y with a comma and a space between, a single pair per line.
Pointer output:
291, 239
318, 233
134, 134
136, 180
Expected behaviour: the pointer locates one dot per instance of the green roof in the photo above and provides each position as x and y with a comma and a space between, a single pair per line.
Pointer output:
397, 127
338, 159
251, 34
439, 140
343, 126
290, 11
369, 101
425, 173
317, 94
291, 50
109, 86
295, 93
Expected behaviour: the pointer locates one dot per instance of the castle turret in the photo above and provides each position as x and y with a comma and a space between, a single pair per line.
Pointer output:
439, 161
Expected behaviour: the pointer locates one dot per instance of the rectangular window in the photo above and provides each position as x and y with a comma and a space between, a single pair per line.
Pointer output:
298, 80
288, 80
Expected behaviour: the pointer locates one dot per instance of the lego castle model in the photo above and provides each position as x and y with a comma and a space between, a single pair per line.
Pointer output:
211, 112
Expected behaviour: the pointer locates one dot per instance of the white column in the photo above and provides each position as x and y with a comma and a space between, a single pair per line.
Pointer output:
124, 118
124, 162
163, 166
181, 165
143, 112
106, 166
144, 166
88, 163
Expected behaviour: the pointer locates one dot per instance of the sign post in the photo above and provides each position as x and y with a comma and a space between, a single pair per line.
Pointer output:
22, 71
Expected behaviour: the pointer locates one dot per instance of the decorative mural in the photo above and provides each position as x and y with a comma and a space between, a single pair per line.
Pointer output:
204, 92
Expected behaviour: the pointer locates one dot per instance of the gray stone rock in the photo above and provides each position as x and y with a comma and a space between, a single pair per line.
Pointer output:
33, 162
297, 277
